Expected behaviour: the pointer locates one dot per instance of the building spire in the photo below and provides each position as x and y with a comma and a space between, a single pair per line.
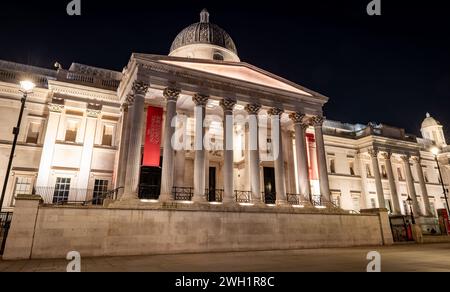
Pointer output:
204, 16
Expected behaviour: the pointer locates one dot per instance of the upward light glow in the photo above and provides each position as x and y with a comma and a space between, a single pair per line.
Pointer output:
27, 85
435, 151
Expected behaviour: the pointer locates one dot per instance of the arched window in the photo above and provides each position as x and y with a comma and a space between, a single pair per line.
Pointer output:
218, 56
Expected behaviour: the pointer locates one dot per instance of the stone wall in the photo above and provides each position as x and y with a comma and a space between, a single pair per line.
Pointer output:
114, 232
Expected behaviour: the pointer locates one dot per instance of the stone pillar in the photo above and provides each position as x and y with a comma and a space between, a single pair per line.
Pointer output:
301, 153
378, 183
317, 122
228, 146
48, 148
253, 149
88, 149
423, 187
390, 174
123, 152
136, 102
200, 152
410, 185
277, 146
171, 96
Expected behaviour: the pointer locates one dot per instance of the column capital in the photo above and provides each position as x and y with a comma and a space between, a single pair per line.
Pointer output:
317, 121
297, 117
416, 159
171, 94
227, 104
140, 87
200, 99
129, 100
275, 111
405, 158
386, 155
55, 108
373, 152
124, 107
252, 108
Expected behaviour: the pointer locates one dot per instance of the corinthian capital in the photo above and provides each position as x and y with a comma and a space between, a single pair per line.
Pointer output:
297, 118
140, 87
129, 99
416, 159
275, 111
227, 104
252, 108
386, 155
405, 158
200, 99
316, 121
373, 152
171, 94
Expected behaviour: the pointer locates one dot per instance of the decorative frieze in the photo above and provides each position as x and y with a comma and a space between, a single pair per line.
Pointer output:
373, 152
56, 108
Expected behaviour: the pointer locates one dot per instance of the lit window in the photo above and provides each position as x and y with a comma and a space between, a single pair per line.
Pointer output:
71, 131
62, 187
24, 186
107, 135
425, 176
218, 56
400, 175
100, 189
383, 171
351, 166
373, 203
355, 201
33, 133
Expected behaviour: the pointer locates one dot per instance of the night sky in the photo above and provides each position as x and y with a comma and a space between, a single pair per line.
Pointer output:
388, 69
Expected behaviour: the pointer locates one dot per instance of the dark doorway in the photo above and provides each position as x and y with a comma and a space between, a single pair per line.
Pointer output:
269, 185
150, 182
212, 185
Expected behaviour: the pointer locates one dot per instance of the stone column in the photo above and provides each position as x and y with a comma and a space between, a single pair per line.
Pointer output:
48, 148
171, 96
390, 174
200, 152
228, 146
277, 146
302, 157
423, 187
123, 152
317, 123
88, 149
376, 172
136, 113
253, 150
410, 185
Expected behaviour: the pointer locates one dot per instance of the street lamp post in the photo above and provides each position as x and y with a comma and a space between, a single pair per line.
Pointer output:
435, 152
410, 202
26, 88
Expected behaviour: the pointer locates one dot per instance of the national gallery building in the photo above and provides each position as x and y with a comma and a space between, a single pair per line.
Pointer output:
97, 137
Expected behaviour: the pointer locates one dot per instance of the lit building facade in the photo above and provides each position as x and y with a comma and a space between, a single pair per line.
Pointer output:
87, 130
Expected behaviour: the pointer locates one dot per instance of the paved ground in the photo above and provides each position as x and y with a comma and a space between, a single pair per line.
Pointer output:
411, 258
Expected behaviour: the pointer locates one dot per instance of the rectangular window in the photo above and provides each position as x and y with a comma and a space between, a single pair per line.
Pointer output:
388, 205
373, 203
383, 171
368, 171
399, 173
72, 131
62, 188
33, 133
269, 146
332, 166
24, 186
405, 207
425, 176
107, 135
355, 201
100, 189
351, 166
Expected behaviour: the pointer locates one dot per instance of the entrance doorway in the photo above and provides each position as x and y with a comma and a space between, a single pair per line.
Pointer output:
269, 185
150, 182
212, 185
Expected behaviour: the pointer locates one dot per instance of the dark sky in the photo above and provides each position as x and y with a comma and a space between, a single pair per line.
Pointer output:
388, 69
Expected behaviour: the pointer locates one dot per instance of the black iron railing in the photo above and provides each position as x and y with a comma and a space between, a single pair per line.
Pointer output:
214, 195
5, 223
53, 196
297, 200
182, 193
270, 198
320, 201
243, 196
149, 192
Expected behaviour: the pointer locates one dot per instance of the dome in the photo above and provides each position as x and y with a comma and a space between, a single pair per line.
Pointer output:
204, 33
429, 122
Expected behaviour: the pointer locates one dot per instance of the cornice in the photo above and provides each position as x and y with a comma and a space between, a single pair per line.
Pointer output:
81, 91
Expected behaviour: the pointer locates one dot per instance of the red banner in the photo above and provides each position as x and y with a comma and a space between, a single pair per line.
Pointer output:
152, 144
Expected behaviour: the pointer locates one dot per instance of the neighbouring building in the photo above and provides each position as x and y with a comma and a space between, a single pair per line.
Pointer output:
88, 130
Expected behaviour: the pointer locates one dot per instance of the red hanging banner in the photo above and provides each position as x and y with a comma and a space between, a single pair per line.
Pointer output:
152, 144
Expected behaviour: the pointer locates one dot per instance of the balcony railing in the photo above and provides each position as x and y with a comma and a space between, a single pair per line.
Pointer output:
243, 196
149, 192
83, 197
269, 198
182, 193
214, 195
320, 201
